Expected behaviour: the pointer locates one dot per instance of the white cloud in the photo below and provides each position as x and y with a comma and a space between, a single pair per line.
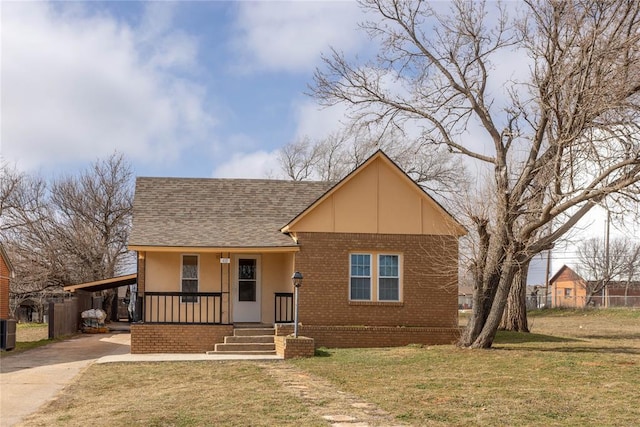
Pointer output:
258, 164
79, 85
290, 36
317, 122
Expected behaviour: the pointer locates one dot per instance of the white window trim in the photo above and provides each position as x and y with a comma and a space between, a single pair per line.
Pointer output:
378, 276
370, 277
182, 278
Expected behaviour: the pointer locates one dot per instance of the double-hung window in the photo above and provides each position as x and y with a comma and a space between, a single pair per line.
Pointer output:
360, 287
388, 278
374, 277
189, 277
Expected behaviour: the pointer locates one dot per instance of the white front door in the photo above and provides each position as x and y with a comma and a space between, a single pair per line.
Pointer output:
247, 289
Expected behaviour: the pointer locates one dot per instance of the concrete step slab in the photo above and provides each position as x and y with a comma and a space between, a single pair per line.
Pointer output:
271, 353
235, 347
244, 332
249, 339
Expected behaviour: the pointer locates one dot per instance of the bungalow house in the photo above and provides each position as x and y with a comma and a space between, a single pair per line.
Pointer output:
379, 259
569, 289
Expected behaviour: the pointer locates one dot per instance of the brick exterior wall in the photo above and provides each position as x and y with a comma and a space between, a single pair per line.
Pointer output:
373, 336
4, 289
290, 347
429, 281
159, 338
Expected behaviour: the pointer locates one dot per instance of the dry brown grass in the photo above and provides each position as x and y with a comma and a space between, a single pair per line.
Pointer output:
576, 368
174, 394
28, 332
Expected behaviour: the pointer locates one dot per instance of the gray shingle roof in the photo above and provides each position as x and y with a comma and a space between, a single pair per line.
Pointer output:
201, 212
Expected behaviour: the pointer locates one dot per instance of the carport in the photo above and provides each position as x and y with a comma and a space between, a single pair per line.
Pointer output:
85, 293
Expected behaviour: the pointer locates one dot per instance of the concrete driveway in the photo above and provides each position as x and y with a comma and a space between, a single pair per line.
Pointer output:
30, 379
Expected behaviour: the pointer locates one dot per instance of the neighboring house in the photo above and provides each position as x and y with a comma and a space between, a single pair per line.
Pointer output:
379, 258
6, 273
465, 297
569, 289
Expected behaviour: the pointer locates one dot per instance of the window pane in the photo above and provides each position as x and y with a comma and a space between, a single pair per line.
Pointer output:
189, 285
360, 288
388, 266
246, 269
189, 267
247, 290
389, 290
361, 265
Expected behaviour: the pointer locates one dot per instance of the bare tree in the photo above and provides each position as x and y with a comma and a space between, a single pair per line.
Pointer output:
601, 265
298, 159
567, 134
71, 231
631, 270
333, 157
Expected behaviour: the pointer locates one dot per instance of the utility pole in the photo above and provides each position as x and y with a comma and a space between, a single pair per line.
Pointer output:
546, 274
546, 279
607, 271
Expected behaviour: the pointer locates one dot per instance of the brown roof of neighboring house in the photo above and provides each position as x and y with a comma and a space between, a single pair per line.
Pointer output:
207, 212
568, 271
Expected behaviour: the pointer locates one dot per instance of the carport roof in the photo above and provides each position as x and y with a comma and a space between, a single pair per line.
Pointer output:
101, 285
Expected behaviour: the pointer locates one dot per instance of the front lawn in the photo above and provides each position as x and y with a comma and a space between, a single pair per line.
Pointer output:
576, 368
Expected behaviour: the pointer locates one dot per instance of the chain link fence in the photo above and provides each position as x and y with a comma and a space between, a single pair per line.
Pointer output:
535, 302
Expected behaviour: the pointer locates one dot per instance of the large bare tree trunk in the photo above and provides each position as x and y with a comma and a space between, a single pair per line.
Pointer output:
514, 317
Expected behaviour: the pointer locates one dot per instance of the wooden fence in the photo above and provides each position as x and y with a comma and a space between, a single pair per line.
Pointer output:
64, 317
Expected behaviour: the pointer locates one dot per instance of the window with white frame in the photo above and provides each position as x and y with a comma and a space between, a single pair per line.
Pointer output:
375, 277
388, 278
189, 277
360, 286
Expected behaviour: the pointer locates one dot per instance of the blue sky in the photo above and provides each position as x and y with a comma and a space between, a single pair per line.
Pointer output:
181, 88
194, 89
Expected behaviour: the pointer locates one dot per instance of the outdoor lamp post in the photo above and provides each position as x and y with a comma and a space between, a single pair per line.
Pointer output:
297, 282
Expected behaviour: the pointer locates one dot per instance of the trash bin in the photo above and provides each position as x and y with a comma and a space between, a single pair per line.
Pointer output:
7, 334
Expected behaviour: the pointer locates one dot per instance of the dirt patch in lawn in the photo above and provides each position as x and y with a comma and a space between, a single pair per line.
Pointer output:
325, 400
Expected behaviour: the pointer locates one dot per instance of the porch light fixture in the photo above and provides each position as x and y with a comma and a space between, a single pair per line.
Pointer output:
297, 282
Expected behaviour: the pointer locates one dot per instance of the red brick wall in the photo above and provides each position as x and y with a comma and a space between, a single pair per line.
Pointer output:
4, 289
430, 281
373, 336
156, 338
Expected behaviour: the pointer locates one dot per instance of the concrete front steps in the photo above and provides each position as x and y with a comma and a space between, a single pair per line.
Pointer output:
248, 340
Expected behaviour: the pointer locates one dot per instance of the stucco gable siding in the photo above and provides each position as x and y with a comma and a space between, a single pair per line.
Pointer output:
378, 197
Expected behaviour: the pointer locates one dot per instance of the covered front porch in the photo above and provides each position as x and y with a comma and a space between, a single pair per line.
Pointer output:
189, 286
